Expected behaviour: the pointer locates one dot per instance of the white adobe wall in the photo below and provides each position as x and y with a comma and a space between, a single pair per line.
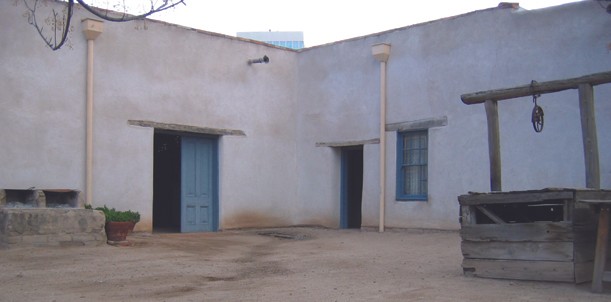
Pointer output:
275, 175
430, 66
147, 70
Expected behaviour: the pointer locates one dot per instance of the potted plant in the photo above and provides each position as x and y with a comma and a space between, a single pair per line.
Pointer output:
119, 224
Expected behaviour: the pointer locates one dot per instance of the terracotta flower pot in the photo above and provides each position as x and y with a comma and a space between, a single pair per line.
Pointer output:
118, 230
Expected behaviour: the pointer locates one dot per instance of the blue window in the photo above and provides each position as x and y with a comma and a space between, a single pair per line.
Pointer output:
412, 164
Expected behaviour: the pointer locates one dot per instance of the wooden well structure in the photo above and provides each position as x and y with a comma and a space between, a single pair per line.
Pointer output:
549, 234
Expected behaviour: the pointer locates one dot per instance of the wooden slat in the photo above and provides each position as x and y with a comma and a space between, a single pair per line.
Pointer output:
592, 195
520, 270
584, 243
537, 231
567, 210
583, 271
535, 251
513, 197
600, 258
467, 215
490, 215
539, 88
584, 217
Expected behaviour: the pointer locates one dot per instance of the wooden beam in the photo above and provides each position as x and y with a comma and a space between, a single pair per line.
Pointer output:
418, 125
339, 144
601, 249
516, 197
494, 145
539, 88
185, 128
531, 251
590, 139
560, 271
518, 232
492, 216
467, 215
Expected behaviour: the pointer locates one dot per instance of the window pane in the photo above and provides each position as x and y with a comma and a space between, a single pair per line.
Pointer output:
414, 157
412, 165
412, 180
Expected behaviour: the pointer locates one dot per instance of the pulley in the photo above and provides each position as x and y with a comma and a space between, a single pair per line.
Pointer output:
537, 112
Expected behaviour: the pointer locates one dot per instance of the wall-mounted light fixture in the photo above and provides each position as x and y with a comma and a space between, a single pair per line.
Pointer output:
265, 60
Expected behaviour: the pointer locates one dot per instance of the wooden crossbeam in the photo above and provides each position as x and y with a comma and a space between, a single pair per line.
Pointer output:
538, 88
491, 215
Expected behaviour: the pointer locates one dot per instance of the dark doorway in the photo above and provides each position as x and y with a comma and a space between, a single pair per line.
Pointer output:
166, 182
351, 187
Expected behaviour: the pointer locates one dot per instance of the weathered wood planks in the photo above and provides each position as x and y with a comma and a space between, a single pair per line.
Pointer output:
534, 251
520, 270
541, 250
515, 197
538, 231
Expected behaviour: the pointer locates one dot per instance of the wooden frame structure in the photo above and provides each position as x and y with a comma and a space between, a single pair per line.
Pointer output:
588, 121
585, 86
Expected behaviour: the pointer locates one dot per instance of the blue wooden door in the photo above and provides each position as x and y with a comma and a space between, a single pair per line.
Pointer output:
199, 205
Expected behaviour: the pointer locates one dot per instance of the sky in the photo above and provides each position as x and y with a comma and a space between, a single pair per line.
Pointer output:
323, 21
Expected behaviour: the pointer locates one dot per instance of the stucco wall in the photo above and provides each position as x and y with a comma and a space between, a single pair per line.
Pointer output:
275, 175
147, 70
430, 66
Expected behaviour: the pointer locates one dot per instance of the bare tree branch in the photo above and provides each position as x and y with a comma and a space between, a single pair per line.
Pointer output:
59, 24
56, 24
104, 14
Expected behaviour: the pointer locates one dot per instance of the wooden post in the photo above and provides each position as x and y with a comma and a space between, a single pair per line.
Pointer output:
494, 144
601, 249
590, 140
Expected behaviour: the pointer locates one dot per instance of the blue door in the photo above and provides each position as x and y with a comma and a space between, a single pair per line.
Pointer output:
199, 202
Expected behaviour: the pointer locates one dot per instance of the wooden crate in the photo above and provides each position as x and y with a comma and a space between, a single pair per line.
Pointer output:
545, 235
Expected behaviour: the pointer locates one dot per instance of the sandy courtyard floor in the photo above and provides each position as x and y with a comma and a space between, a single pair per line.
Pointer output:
311, 264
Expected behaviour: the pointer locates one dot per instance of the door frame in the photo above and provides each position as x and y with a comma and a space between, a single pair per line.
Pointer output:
215, 203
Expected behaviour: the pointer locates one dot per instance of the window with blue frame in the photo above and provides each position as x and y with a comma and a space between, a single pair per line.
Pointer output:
412, 165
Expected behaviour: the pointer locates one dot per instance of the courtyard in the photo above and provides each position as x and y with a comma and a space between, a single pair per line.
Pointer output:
280, 264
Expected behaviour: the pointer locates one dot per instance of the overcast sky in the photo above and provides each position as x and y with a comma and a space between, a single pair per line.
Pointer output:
323, 21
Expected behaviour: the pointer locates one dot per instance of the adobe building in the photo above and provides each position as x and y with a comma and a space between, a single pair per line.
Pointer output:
196, 132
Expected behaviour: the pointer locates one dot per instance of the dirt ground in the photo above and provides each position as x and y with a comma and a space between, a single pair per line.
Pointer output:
289, 264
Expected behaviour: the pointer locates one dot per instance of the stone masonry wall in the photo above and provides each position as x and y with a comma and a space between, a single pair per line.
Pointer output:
51, 227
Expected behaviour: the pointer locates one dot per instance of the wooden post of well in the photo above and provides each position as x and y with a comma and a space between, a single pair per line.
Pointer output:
494, 144
600, 255
590, 139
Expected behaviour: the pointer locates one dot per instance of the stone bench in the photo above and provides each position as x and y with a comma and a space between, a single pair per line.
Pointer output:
25, 227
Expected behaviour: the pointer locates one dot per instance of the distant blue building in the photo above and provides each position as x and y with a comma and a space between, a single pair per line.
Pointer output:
289, 39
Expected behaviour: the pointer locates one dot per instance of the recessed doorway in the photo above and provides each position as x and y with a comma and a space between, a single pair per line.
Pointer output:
185, 183
351, 187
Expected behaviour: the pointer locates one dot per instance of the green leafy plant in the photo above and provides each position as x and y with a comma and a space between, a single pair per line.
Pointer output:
119, 216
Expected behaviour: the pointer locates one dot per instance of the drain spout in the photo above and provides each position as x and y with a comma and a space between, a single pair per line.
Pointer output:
92, 29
